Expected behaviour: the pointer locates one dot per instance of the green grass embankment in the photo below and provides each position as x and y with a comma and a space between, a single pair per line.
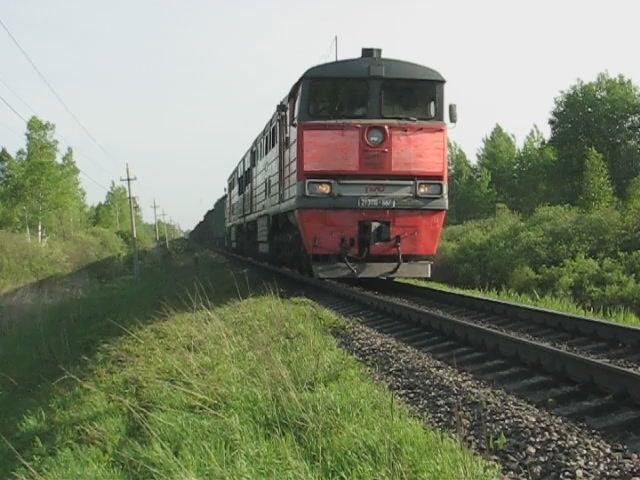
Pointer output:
23, 262
147, 381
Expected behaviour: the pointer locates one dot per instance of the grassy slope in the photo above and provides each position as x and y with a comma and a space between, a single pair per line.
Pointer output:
544, 301
211, 387
22, 262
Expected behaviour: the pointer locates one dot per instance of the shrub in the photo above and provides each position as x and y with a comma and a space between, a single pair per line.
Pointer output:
23, 262
560, 250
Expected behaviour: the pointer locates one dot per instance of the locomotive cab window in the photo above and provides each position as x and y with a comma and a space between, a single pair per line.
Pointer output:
338, 98
409, 99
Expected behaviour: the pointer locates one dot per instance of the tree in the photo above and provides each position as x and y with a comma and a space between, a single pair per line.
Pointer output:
596, 189
631, 215
533, 174
11, 210
34, 182
40, 191
633, 196
5, 164
5, 161
470, 192
497, 156
70, 204
604, 114
113, 213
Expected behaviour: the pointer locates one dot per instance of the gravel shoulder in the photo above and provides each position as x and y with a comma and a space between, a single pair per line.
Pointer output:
527, 441
493, 322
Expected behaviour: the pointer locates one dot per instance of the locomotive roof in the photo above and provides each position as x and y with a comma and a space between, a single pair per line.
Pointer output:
371, 64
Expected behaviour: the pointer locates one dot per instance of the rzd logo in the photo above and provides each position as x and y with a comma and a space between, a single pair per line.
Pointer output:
374, 188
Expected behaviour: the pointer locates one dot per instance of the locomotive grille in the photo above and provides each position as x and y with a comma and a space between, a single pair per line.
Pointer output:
374, 159
374, 188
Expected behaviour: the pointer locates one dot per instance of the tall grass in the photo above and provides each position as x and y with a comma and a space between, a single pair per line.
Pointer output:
219, 387
22, 262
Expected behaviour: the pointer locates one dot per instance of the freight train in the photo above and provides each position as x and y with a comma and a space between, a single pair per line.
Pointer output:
348, 178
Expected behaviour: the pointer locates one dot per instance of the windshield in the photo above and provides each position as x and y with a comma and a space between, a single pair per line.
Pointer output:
409, 99
338, 98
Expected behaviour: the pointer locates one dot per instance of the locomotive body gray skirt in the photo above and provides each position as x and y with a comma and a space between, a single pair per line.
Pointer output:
421, 269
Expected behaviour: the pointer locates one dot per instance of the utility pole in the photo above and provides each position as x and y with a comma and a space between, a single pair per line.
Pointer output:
336, 42
155, 219
164, 223
136, 266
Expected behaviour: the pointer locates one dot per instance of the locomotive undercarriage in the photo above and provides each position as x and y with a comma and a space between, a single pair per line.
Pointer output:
286, 248
285, 245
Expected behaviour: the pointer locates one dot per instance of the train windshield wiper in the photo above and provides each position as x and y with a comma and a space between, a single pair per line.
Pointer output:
401, 117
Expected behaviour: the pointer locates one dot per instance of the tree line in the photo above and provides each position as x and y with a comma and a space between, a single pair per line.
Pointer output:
42, 196
556, 217
591, 160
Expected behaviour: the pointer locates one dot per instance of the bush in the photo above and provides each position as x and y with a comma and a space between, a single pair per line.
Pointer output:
560, 250
22, 262
480, 252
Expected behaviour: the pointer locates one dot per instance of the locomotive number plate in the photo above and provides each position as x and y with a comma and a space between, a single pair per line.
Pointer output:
365, 202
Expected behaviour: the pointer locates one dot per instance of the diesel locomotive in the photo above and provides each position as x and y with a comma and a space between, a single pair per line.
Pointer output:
348, 178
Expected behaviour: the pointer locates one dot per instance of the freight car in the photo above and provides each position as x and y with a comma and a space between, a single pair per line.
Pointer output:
210, 232
348, 178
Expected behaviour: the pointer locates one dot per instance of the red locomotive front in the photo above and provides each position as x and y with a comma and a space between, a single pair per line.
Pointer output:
357, 182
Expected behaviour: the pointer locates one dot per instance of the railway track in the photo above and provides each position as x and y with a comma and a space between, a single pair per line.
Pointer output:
604, 341
575, 367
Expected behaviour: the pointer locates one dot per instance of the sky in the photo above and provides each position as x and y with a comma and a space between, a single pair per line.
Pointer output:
179, 89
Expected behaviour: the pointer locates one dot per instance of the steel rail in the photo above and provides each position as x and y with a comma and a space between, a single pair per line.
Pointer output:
623, 334
605, 377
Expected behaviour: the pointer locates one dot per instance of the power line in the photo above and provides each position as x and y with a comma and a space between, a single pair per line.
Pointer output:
25, 121
92, 180
53, 90
13, 109
10, 129
22, 100
65, 139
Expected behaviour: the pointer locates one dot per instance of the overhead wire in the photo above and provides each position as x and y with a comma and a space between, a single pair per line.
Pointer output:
11, 129
13, 109
25, 121
65, 139
53, 90
88, 177
59, 98
15, 94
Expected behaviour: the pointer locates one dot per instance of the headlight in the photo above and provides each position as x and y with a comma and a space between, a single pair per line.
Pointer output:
318, 188
428, 189
375, 136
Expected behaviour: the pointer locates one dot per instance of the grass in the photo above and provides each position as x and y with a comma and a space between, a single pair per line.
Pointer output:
565, 305
23, 262
145, 381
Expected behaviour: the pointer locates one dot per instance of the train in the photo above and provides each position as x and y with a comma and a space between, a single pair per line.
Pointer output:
348, 177
210, 231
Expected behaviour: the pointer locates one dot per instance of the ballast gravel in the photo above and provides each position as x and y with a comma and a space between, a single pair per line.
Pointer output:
526, 441
490, 321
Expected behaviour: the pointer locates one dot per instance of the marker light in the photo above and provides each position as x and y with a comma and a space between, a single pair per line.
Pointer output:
428, 189
375, 136
318, 188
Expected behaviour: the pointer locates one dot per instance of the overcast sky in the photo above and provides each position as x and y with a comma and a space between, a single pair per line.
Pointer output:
179, 88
